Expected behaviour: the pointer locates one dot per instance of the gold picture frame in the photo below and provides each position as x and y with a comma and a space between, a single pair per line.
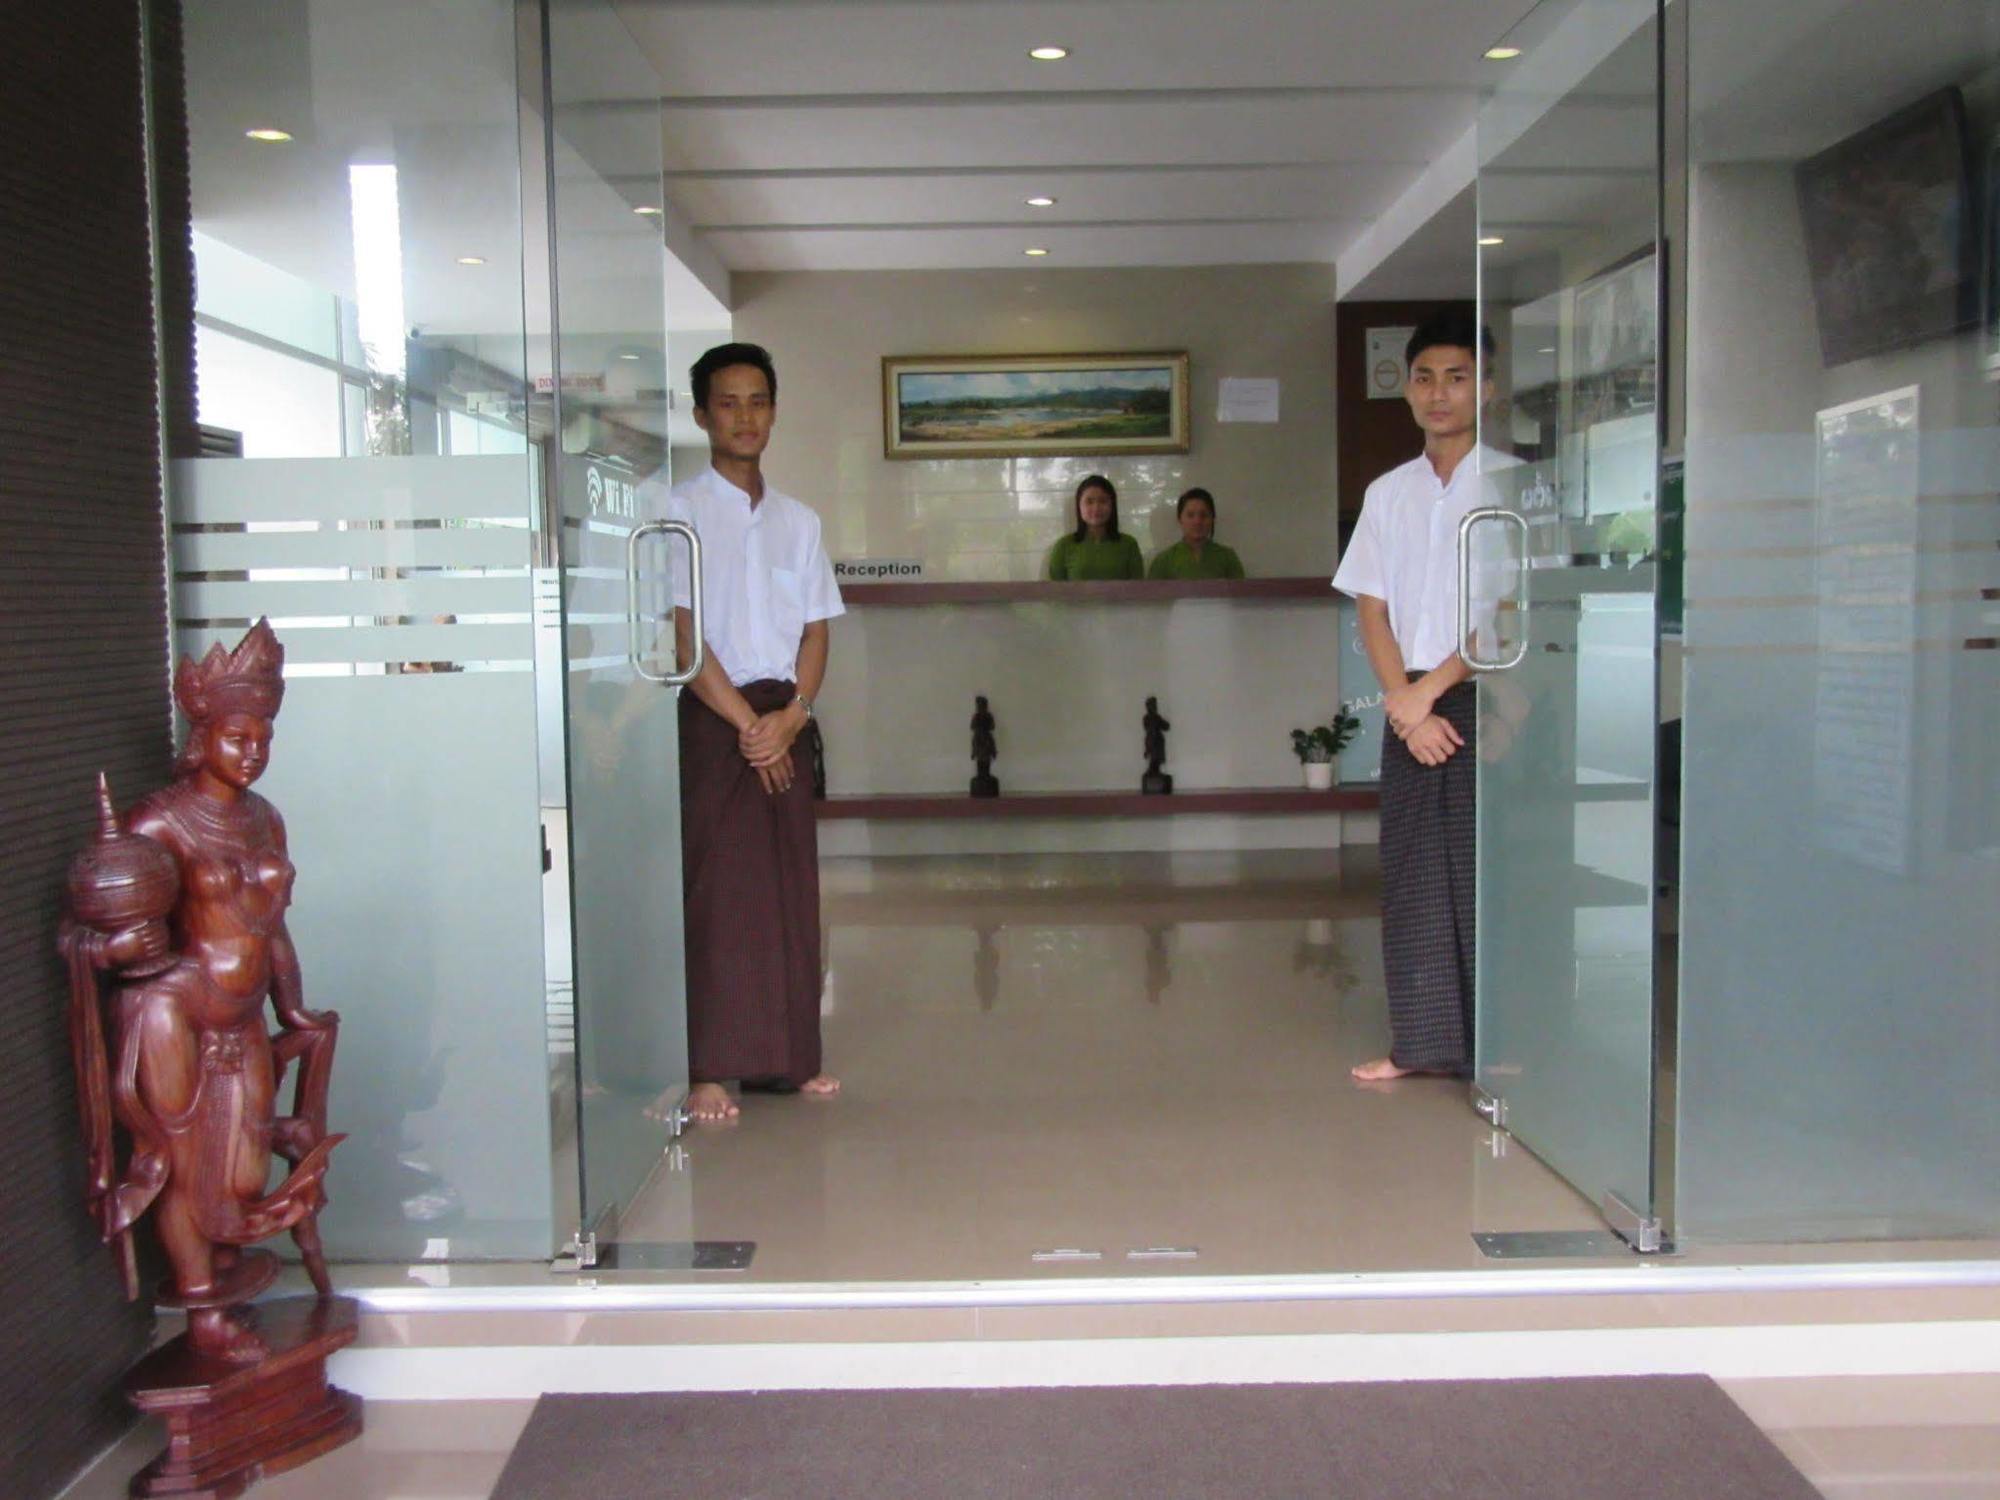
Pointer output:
1033, 405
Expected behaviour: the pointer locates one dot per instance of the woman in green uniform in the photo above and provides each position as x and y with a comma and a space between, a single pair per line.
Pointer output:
1097, 550
1197, 554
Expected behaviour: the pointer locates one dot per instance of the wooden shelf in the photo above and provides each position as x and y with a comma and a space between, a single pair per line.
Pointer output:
1134, 591
1239, 800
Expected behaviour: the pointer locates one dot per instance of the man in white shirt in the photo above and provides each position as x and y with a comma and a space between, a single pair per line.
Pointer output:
1401, 566
749, 843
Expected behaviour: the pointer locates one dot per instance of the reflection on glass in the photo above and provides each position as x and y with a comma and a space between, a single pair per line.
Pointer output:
1840, 1018
1568, 180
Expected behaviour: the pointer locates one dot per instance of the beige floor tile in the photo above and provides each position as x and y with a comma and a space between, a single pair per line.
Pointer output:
1105, 1054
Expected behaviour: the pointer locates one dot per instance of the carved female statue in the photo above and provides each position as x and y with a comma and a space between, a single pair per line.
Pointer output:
191, 1072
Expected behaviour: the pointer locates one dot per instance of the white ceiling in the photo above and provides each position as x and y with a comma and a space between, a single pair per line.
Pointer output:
847, 134
884, 134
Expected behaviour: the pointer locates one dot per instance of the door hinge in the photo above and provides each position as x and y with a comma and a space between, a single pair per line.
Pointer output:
580, 1254
1489, 1107
1642, 1232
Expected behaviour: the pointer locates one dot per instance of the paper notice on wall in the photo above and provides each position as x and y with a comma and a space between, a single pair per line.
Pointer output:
1244, 400
1385, 362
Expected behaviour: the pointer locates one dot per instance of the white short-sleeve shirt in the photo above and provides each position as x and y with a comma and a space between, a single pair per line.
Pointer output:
1404, 551
764, 574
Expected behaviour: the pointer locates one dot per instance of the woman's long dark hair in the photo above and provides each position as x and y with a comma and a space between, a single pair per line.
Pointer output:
1096, 481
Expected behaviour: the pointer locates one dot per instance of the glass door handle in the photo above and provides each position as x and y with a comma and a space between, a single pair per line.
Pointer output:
1472, 520
637, 535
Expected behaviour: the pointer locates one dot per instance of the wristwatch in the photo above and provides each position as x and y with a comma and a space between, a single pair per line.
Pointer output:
806, 703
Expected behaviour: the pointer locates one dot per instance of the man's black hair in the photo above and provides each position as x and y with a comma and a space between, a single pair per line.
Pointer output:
1455, 328
721, 357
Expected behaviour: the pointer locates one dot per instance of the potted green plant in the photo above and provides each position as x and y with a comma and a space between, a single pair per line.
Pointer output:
1318, 747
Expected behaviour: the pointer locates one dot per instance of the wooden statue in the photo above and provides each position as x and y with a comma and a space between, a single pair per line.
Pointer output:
184, 903
1156, 781
985, 750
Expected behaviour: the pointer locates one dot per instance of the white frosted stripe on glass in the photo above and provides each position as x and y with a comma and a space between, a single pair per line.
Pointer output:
424, 596
481, 546
1782, 466
426, 642
283, 623
311, 489
400, 668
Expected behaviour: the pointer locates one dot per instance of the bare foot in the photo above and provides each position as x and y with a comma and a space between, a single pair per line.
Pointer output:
1381, 1070
823, 1084
710, 1104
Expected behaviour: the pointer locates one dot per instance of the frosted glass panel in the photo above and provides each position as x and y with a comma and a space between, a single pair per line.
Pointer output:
404, 765
623, 751
1840, 1015
1566, 834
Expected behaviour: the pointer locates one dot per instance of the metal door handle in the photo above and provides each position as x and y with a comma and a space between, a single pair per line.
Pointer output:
1465, 527
632, 648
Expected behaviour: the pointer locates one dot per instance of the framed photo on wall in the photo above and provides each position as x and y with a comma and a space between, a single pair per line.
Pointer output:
1016, 406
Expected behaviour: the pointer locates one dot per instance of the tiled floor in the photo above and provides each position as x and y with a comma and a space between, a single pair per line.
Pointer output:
1104, 1053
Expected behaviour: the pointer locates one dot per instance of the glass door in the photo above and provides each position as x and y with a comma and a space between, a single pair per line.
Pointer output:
605, 602
1569, 225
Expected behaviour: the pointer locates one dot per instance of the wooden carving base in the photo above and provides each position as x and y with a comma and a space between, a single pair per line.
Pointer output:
228, 1425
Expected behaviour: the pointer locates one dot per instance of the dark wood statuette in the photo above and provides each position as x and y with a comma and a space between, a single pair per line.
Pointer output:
985, 750
181, 904
1156, 782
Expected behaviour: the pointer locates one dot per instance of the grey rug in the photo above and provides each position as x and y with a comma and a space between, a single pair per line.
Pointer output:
1662, 1437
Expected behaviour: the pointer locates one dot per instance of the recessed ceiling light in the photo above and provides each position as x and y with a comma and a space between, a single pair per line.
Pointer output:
1550, 350
1034, 250
1041, 201
628, 356
1491, 239
268, 135
1503, 54
646, 208
472, 260
1048, 54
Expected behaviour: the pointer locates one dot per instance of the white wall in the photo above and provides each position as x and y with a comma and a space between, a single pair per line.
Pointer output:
1067, 681
995, 518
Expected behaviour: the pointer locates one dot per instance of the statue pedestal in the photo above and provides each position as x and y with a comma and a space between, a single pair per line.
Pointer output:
986, 786
1156, 784
229, 1425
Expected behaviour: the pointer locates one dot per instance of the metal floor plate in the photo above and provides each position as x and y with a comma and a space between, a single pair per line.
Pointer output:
1551, 1244
676, 1255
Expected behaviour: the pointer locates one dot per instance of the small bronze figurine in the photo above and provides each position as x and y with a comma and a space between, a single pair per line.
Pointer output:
1156, 782
985, 750
185, 903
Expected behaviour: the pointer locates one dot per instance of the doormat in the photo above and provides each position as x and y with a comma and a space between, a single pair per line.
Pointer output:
1667, 1437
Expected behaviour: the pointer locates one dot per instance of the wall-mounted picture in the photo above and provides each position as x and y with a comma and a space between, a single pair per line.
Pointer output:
1891, 231
952, 406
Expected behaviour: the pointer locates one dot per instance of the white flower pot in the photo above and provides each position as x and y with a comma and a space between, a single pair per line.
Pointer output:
1319, 776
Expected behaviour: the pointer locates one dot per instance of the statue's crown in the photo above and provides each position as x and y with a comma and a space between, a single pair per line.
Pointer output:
248, 680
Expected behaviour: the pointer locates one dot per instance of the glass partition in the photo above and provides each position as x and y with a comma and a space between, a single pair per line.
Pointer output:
606, 392
1568, 183
361, 345
1840, 1016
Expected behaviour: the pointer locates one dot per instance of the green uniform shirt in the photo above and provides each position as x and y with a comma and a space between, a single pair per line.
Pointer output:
1179, 561
1071, 561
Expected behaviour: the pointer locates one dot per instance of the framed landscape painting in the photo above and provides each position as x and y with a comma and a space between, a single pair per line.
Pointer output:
946, 406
